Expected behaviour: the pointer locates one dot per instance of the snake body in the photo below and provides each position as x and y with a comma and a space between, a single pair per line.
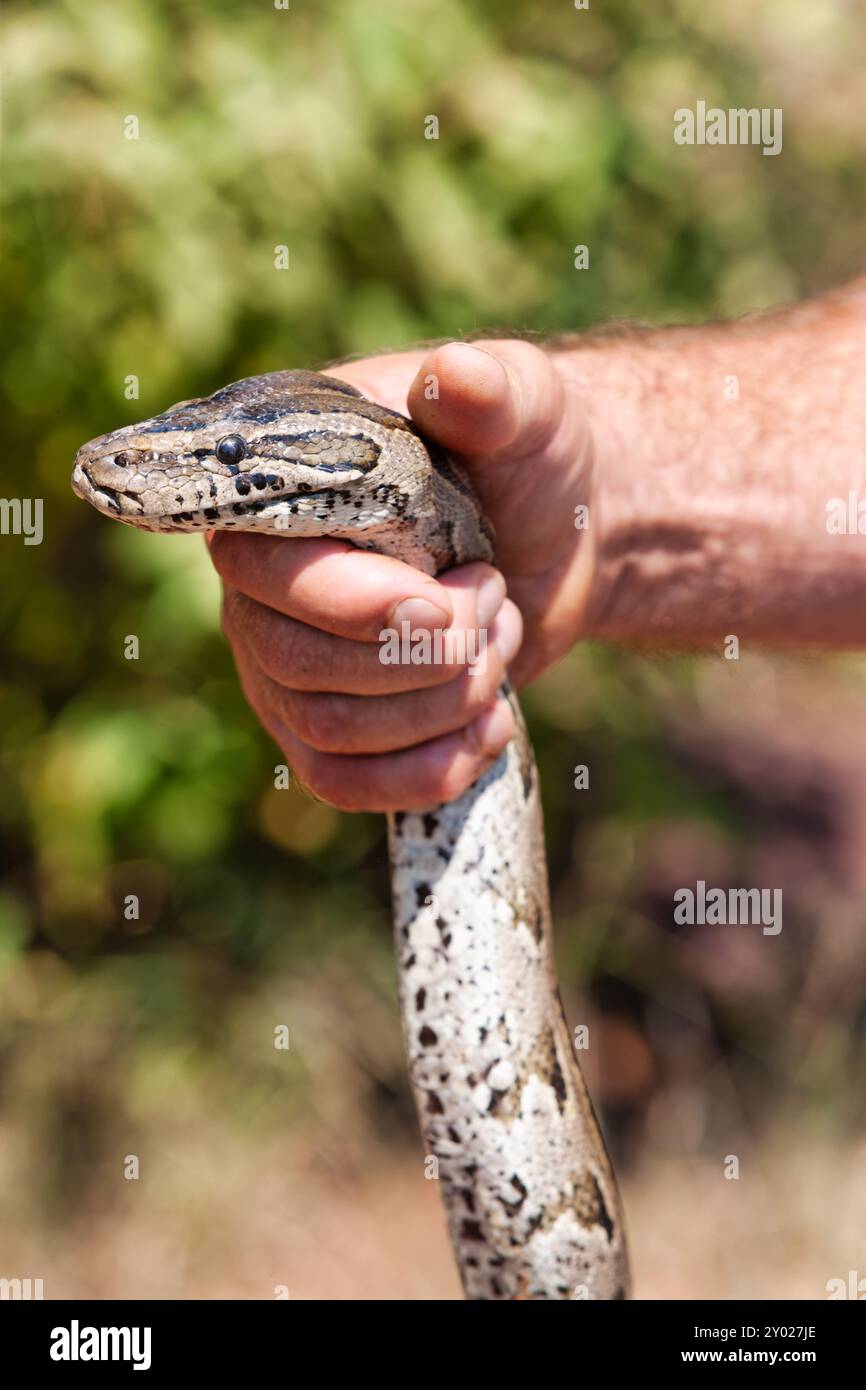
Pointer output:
532, 1204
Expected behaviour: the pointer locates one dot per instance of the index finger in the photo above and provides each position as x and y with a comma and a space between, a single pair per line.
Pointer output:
330, 585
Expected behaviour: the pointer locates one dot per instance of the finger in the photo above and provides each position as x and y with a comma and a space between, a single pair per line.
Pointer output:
482, 399
333, 586
413, 779
331, 723
303, 658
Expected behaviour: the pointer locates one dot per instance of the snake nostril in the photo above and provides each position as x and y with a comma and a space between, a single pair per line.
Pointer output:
120, 460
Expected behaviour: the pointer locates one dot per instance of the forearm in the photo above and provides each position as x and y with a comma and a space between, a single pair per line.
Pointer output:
718, 451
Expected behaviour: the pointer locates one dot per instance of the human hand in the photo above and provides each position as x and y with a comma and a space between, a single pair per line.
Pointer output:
304, 618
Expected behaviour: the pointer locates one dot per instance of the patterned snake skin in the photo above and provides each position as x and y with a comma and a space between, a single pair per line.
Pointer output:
532, 1205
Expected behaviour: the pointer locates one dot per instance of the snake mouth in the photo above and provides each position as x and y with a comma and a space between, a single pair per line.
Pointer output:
297, 506
112, 497
285, 505
113, 501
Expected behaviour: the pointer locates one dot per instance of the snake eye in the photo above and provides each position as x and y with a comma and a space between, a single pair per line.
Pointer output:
230, 449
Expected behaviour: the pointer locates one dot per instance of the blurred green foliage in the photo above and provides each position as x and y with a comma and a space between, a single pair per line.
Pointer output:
154, 257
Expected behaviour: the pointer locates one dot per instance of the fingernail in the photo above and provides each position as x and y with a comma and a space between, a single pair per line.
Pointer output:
420, 614
508, 634
492, 729
488, 599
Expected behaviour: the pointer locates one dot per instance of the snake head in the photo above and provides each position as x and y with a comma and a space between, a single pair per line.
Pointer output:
289, 451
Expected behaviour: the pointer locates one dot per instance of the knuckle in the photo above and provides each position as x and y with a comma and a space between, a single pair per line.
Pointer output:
477, 690
228, 612
321, 720
241, 617
284, 652
279, 645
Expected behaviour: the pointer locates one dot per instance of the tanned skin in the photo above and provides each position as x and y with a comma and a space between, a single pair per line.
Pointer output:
706, 457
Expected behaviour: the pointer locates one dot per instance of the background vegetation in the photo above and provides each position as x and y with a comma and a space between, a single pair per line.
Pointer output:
155, 257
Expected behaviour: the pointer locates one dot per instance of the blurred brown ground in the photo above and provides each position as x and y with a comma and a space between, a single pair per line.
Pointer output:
246, 1221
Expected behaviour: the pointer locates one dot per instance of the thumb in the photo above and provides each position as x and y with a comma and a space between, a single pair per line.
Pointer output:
503, 396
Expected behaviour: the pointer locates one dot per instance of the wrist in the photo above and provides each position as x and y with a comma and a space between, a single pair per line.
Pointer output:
604, 377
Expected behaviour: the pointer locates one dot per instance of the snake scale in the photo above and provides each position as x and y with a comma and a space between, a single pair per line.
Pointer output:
532, 1204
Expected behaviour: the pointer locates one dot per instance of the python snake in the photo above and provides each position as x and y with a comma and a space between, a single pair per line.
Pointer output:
532, 1204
